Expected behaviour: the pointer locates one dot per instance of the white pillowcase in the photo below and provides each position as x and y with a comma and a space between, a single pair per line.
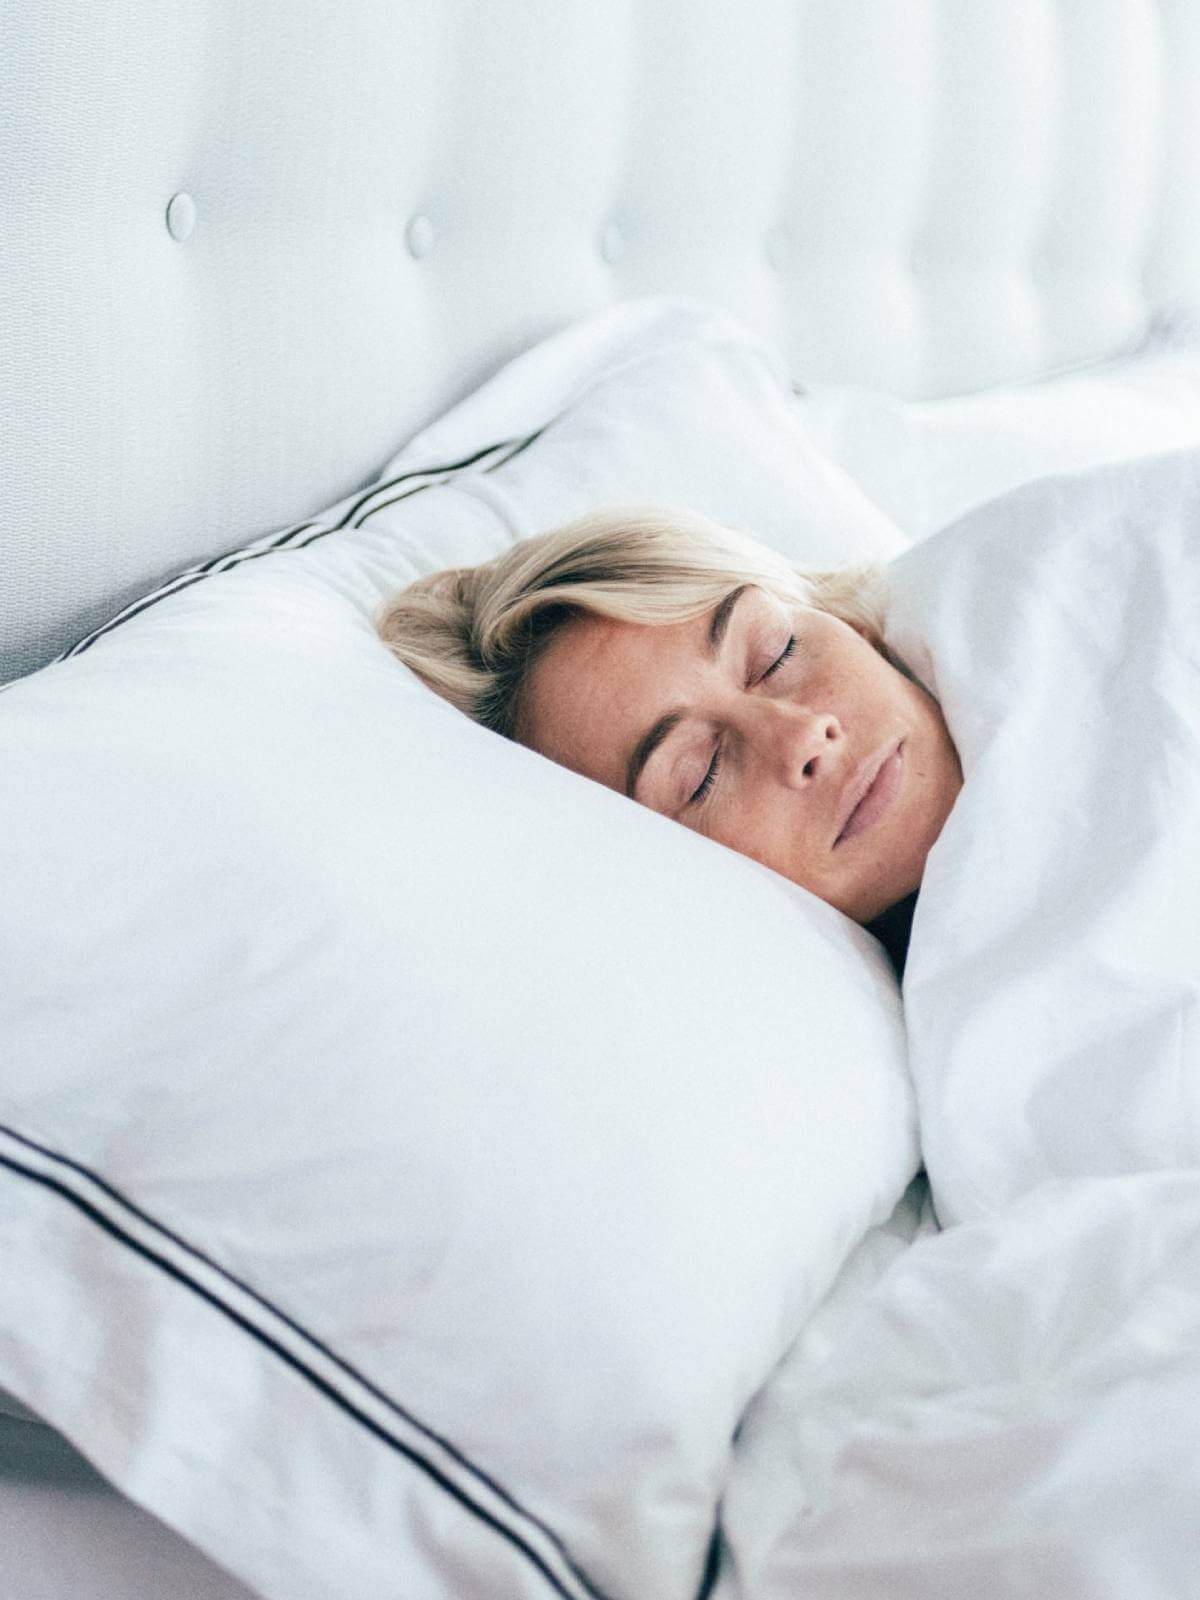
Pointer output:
1053, 979
414, 1154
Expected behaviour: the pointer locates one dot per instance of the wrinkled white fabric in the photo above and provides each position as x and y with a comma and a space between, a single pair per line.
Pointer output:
1006, 1410
413, 1155
928, 462
1011, 1408
1054, 973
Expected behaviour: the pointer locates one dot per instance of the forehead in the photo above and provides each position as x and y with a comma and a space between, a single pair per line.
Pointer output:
599, 683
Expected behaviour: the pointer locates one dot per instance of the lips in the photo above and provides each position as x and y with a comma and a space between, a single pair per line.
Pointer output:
871, 792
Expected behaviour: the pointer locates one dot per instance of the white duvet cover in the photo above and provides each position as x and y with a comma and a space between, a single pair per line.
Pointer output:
1052, 989
1012, 1407
1009, 1410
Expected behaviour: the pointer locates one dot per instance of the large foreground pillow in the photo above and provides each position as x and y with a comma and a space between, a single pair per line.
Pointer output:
1053, 981
414, 1155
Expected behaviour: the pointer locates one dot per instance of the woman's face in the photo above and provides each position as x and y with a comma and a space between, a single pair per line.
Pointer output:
781, 733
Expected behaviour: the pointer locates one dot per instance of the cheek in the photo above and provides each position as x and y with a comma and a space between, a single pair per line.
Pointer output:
765, 824
870, 679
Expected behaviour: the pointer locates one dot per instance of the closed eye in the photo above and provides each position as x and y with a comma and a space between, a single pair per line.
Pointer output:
778, 662
709, 778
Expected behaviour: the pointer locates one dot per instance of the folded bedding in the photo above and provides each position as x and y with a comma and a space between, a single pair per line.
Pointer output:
1011, 1407
1007, 1409
1052, 989
928, 462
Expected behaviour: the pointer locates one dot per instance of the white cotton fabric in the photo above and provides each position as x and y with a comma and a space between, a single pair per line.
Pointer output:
1054, 972
928, 462
1006, 1409
414, 1155
1011, 1407
66, 1534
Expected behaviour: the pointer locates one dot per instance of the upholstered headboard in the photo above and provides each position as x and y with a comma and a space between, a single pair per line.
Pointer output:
248, 248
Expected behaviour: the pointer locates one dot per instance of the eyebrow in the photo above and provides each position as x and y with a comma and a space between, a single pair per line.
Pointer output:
649, 742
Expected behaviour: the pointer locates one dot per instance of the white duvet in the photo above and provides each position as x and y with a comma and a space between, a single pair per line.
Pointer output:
1012, 1407
1008, 1409
1054, 973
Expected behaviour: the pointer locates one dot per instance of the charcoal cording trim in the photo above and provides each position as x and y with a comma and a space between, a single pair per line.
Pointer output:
291, 539
91, 1207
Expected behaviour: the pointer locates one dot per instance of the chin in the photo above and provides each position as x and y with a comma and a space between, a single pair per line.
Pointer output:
868, 907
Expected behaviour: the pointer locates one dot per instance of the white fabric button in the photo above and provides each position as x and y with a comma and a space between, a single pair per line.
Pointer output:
181, 215
419, 236
612, 242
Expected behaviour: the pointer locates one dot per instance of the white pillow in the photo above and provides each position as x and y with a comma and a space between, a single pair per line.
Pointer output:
415, 1155
1053, 979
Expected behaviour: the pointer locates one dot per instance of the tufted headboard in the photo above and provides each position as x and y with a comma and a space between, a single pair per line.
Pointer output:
249, 247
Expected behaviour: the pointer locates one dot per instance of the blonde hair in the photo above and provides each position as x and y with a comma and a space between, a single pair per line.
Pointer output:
473, 633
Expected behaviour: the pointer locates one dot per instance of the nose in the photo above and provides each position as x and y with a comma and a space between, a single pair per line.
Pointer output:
799, 744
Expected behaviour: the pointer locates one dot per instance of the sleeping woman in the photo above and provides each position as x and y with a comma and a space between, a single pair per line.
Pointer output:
696, 671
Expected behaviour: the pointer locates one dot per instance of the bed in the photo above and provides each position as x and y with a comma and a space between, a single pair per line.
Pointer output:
361, 1120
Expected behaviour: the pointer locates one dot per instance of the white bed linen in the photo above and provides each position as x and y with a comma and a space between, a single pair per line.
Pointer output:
784, 1538
66, 1534
1006, 1410
1053, 980
928, 462
1012, 1407
431, 1186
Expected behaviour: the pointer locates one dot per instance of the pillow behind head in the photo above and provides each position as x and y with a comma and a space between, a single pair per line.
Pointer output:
660, 400
413, 1154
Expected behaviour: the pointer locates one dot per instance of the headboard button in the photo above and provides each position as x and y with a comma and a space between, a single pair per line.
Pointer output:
181, 215
419, 236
